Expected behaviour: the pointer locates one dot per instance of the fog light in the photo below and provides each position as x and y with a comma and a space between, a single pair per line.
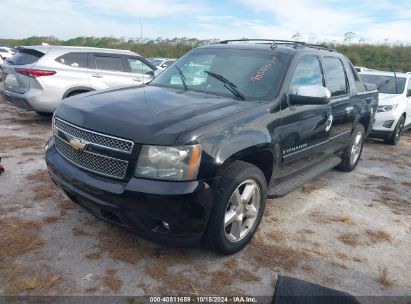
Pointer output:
166, 225
388, 123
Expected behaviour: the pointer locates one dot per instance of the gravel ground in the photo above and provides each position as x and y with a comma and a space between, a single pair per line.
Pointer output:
349, 231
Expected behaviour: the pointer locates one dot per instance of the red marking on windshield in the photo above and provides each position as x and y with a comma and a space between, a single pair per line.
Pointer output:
261, 71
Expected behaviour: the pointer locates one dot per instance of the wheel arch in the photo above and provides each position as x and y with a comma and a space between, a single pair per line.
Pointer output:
82, 89
262, 156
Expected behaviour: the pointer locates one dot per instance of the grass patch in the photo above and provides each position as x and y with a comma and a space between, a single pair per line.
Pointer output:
112, 281
276, 236
94, 255
52, 219
351, 239
16, 142
309, 188
19, 236
121, 245
378, 236
383, 276
80, 232
345, 218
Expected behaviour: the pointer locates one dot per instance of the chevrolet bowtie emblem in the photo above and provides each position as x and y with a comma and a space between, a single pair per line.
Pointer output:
77, 144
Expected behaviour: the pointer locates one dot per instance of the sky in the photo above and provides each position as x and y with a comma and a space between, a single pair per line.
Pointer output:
372, 21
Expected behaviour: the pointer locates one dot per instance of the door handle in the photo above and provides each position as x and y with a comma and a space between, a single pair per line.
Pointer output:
138, 79
349, 109
97, 75
324, 120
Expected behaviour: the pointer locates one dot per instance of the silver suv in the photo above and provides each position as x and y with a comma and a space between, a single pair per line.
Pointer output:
38, 77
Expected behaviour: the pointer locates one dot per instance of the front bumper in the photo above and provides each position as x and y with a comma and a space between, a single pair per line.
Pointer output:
384, 117
138, 205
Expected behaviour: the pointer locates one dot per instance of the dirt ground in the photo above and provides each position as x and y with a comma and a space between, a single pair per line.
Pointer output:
349, 231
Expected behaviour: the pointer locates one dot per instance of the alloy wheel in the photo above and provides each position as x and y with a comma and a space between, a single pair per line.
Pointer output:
356, 148
242, 210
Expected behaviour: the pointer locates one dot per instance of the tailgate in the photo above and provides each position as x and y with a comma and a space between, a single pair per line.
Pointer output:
16, 82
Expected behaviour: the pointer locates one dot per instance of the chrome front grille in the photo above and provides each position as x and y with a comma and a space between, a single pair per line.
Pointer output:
96, 138
88, 159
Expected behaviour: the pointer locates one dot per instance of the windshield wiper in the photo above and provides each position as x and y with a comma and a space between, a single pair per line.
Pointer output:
228, 84
183, 78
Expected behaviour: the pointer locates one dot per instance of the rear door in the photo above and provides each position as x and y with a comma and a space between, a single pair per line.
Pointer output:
343, 102
304, 130
108, 71
140, 72
25, 59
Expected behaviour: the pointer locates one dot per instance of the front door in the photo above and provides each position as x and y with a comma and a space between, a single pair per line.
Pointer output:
305, 128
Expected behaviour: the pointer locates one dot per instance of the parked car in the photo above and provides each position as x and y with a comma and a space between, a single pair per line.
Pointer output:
363, 69
38, 77
180, 163
394, 106
6, 52
161, 63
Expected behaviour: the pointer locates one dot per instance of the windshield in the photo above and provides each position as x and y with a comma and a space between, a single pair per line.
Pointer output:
385, 84
254, 74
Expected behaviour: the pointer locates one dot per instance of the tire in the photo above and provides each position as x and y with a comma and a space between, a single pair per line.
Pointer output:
45, 114
352, 153
230, 237
396, 134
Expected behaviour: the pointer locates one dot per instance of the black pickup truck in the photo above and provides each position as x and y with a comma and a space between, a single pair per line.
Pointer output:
192, 156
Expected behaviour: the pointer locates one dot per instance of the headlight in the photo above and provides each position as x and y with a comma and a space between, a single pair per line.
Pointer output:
169, 163
387, 108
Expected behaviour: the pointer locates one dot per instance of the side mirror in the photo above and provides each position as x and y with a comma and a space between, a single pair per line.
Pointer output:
310, 95
370, 86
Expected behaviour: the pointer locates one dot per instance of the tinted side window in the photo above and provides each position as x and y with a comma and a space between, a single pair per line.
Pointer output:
336, 79
137, 66
109, 63
409, 87
3, 51
307, 72
74, 59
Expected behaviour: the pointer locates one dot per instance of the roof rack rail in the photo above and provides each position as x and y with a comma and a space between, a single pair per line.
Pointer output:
275, 42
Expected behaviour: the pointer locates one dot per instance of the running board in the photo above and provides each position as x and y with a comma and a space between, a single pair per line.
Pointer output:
285, 185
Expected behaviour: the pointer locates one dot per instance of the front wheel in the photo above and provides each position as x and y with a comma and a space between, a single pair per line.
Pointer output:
352, 153
238, 208
396, 134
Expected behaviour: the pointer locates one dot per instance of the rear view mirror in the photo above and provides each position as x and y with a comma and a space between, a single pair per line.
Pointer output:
370, 86
313, 94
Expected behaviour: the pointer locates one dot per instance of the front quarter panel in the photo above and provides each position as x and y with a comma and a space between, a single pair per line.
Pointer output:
230, 139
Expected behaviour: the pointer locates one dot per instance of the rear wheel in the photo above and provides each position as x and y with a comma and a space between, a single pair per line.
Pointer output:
238, 208
396, 134
352, 153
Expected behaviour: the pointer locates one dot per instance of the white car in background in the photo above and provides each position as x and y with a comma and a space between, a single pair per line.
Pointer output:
161, 63
6, 52
394, 106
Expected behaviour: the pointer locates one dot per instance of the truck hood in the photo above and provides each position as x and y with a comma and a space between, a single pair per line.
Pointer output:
146, 114
389, 99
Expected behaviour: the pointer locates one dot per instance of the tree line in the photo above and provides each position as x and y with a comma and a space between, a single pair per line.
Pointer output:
382, 57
